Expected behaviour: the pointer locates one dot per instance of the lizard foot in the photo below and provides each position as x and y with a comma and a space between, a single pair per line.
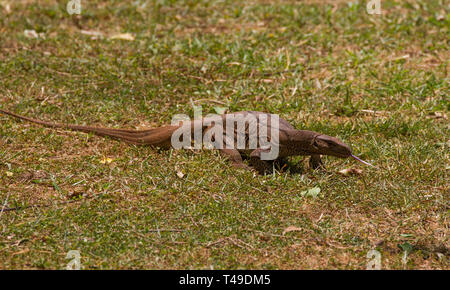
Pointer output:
261, 166
315, 162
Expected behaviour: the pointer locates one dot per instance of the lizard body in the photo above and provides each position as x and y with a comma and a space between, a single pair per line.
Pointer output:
291, 141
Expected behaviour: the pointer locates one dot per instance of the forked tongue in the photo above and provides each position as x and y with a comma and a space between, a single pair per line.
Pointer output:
362, 161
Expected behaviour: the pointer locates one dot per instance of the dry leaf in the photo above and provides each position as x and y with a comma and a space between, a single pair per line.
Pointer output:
31, 34
123, 36
106, 160
437, 115
350, 171
91, 32
291, 229
376, 113
400, 57
33, 175
7, 7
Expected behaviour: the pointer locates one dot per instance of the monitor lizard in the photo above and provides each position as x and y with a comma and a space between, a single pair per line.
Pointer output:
291, 142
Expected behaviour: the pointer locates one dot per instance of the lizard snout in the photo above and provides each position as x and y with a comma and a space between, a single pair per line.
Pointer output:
332, 146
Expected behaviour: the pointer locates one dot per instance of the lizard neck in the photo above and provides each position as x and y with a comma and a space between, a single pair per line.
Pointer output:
301, 141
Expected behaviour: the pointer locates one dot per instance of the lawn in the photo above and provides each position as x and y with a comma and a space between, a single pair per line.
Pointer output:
378, 82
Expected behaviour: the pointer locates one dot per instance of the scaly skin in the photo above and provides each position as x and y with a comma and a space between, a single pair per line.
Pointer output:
292, 142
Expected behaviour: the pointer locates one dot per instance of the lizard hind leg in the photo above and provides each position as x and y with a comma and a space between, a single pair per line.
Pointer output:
231, 154
235, 157
262, 166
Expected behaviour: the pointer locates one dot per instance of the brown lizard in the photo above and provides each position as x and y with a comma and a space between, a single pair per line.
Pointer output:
291, 142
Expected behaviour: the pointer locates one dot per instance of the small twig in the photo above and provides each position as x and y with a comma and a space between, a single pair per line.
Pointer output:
234, 241
36, 206
268, 234
165, 230
216, 242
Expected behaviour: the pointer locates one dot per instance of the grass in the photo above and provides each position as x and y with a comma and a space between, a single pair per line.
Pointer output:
322, 65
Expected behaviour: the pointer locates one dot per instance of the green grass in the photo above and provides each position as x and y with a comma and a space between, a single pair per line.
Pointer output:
316, 64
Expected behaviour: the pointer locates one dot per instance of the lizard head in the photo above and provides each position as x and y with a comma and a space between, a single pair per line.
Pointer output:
327, 145
311, 142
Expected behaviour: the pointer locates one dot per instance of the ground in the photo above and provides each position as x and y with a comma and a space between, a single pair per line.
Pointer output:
378, 82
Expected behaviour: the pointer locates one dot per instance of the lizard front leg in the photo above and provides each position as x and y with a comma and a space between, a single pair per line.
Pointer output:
315, 162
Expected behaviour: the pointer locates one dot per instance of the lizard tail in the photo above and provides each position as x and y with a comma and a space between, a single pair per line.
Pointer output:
156, 137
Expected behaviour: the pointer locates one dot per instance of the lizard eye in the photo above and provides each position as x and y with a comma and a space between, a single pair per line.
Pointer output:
319, 143
330, 142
